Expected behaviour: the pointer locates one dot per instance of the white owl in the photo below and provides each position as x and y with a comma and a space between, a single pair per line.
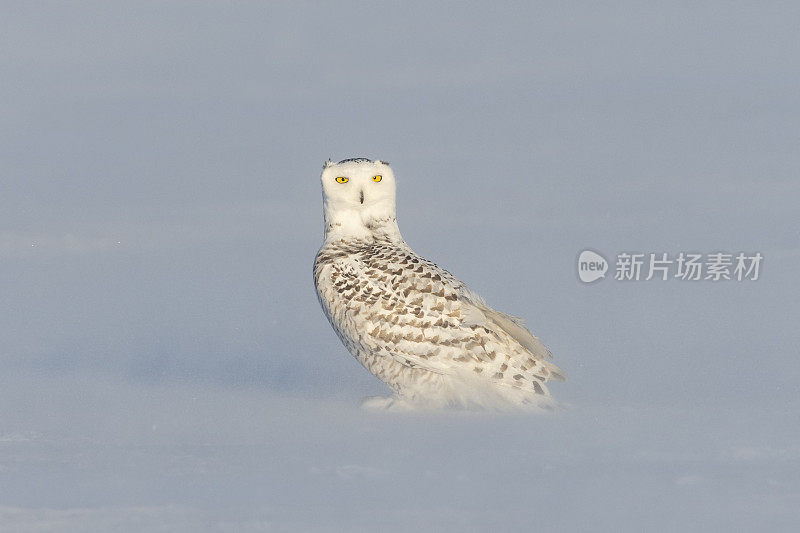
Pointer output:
411, 323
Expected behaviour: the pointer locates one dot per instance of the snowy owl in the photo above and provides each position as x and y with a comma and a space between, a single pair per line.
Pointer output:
411, 323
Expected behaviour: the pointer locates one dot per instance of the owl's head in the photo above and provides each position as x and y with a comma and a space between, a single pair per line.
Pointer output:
358, 197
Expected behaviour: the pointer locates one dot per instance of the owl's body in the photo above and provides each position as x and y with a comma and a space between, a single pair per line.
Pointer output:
409, 322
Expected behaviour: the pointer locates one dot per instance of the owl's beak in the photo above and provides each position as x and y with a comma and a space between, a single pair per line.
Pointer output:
362, 196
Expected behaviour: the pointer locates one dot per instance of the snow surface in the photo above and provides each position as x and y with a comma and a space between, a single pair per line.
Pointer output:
165, 366
100, 455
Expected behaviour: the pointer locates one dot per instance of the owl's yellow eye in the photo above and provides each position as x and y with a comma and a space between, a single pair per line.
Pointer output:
377, 178
342, 179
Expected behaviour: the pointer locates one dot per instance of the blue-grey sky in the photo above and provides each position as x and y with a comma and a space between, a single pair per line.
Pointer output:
160, 205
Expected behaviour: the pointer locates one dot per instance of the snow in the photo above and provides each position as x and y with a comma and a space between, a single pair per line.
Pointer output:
98, 454
165, 366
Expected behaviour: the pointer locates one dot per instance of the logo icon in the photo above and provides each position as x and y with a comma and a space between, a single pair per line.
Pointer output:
591, 266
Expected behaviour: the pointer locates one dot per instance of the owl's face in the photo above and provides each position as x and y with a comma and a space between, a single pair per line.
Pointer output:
358, 190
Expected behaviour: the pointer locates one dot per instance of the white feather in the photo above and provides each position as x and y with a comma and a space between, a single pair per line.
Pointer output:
408, 321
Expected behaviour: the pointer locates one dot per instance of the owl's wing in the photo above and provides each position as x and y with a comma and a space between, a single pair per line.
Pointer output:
512, 325
416, 312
